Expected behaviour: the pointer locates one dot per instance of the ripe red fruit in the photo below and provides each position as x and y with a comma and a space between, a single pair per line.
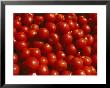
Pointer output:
94, 60
43, 70
51, 27
71, 16
43, 60
71, 49
87, 61
86, 28
43, 33
79, 72
78, 33
60, 55
38, 20
81, 42
32, 63
37, 44
67, 39
20, 36
82, 20
34, 27
59, 18
20, 45
15, 58
63, 27
16, 69
47, 48
87, 50
50, 17
25, 54
17, 23
66, 72
51, 58
27, 20
77, 63
35, 52
69, 58
60, 65
53, 72
87, 70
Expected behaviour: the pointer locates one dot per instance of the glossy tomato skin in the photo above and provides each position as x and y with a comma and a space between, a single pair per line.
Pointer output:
87, 70
20, 36
31, 34
82, 20
47, 48
60, 55
43, 33
69, 58
60, 65
53, 72
15, 58
16, 69
51, 59
77, 63
81, 42
17, 23
71, 49
71, 16
53, 38
59, 17
63, 27
86, 28
50, 17
25, 53
79, 72
37, 44
34, 27
38, 20
20, 45
43, 70
43, 60
35, 52
67, 39
73, 25
51, 27
78, 33
87, 61
90, 39
23, 29
27, 20
66, 72
87, 50
32, 63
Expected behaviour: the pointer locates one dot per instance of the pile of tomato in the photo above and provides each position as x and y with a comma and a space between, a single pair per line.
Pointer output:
55, 43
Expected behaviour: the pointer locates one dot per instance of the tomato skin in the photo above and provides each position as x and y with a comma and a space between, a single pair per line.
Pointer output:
67, 39
63, 27
15, 58
78, 33
47, 48
87, 61
35, 52
20, 36
60, 55
50, 17
51, 59
43, 70
16, 69
55, 44
77, 63
43, 60
71, 49
60, 65
43, 33
79, 72
53, 72
66, 72
51, 27
32, 63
